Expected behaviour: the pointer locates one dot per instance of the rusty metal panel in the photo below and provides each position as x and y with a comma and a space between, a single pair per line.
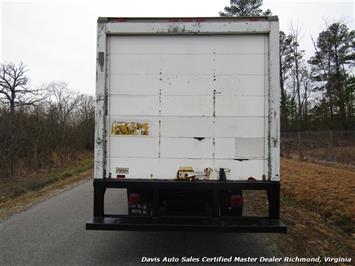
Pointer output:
101, 104
184, 28
274, 104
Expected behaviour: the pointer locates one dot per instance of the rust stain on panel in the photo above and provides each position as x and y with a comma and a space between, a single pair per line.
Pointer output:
130, 128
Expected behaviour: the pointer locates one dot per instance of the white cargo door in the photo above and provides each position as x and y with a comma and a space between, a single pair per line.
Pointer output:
186, 101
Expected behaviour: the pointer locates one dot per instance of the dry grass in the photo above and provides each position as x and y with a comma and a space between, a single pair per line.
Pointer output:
326, 190
317, 204
16, 194
344, 155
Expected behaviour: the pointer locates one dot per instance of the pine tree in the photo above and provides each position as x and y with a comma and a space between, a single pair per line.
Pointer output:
242, 8
334, 57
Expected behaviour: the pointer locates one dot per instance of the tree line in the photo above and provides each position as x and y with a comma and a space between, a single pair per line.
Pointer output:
41, 128
319, 92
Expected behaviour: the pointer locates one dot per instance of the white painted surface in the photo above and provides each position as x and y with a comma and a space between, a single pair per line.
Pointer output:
183, 87
186, 127
144, 167
133, 146
236, 106
186, 148
187, 105
136, 105
249, 148
234, 127
139, 85
249, 44
186, 86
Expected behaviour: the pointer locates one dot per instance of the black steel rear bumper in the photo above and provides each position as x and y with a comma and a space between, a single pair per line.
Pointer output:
196, 224
270, 224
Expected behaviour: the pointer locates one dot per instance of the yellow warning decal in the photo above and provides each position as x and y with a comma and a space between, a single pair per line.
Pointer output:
130, 128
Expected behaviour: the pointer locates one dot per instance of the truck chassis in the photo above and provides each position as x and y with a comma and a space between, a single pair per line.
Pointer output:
160, 222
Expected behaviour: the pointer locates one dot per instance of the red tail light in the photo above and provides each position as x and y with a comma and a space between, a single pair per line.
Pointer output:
133, 199
236, 201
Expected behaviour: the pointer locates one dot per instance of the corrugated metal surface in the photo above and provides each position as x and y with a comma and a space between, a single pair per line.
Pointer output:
188, 87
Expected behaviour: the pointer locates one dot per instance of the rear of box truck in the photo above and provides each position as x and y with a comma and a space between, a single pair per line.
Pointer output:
187, 118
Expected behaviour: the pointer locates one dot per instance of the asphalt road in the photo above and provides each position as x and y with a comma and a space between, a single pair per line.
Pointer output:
53, 233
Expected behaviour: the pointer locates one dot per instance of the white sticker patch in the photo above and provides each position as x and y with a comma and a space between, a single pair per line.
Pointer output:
122, 170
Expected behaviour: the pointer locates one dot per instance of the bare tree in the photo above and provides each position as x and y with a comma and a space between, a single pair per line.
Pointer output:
61, 104
286, 64
297, 56
61, 101
14, 89
86, 120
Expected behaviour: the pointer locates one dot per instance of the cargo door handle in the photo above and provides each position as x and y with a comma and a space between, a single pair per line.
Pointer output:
199, 138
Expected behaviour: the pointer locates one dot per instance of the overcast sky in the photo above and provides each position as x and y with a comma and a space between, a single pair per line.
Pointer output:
57, 40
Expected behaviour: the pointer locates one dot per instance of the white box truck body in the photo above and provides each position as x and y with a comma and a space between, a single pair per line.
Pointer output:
186, 98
